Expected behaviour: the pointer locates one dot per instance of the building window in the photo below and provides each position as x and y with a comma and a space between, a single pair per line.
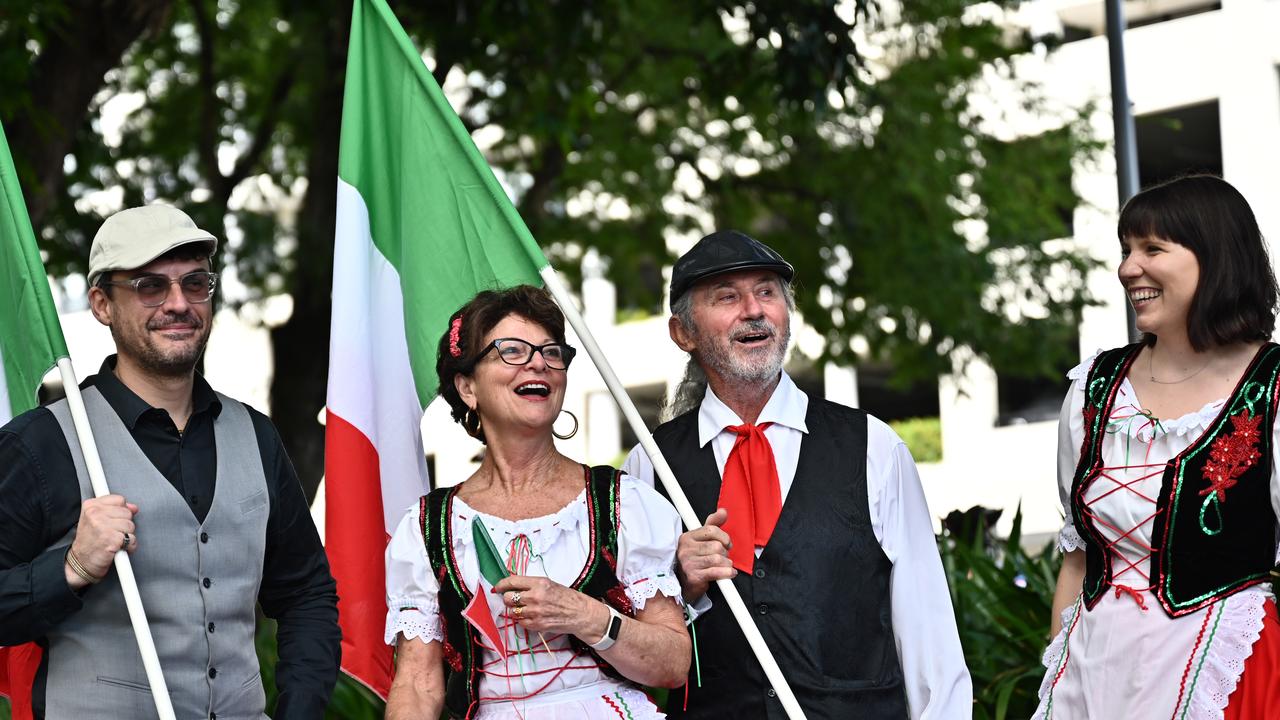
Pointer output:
648, 400
1179, 141
887, 400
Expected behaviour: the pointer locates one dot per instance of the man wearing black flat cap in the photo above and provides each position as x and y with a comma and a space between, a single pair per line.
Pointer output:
814, 509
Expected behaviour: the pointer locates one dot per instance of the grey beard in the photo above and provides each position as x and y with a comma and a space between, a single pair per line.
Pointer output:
693, 386
725, 363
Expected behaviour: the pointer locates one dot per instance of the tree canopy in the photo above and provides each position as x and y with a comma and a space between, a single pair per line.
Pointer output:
842, 134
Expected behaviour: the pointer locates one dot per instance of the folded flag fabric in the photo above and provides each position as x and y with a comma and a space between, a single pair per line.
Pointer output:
422, 226
30, 344
491, 565
480, 617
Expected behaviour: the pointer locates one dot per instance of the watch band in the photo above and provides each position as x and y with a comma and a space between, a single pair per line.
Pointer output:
610, 632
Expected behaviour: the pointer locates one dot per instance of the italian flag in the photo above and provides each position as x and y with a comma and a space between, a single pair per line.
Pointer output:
30, 344
422, 226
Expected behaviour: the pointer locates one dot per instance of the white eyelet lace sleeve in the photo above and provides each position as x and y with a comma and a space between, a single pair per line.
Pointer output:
1070, 438
648, 531
412, 608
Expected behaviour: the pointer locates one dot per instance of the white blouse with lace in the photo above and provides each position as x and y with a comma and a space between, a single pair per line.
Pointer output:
544, 681
1126, 658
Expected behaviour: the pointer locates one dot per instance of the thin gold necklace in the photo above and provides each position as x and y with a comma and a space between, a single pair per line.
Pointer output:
1151, 372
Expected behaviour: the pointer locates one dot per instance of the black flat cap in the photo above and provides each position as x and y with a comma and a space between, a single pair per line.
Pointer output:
720, 252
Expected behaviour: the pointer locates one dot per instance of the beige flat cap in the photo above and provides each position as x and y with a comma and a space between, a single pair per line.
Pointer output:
134, 237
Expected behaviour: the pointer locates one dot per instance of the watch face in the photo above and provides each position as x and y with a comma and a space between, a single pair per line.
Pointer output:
615, 626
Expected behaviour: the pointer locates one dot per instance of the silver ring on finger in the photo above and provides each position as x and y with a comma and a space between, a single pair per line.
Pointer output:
127, 540
515, 598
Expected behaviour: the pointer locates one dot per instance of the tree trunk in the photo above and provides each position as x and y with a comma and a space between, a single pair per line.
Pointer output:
301, 345
66, 75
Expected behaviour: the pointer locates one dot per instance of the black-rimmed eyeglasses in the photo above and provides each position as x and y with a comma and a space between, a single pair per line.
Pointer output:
153, 290
514, 351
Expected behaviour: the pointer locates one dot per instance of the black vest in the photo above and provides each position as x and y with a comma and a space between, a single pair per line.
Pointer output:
819, 592
598, 579
1214, 533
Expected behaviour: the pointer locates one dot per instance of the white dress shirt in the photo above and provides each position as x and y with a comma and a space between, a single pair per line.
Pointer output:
933, 668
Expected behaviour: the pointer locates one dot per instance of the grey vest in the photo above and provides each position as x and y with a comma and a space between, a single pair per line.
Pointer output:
199, 584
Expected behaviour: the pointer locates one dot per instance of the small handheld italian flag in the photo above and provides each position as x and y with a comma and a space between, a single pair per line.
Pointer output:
492, 570
30, 344
422, 226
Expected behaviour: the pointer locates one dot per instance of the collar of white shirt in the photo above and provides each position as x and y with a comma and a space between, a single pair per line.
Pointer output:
787, 406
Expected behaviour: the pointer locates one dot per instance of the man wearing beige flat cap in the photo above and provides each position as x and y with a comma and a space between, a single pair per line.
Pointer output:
205, 500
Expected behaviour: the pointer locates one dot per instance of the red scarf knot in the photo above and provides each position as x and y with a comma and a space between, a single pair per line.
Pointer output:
750, 491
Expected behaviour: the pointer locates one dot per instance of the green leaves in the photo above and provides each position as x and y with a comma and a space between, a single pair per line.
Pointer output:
1003, 596
619, 126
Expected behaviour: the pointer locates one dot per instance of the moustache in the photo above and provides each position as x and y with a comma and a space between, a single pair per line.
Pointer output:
169, 321
753, 327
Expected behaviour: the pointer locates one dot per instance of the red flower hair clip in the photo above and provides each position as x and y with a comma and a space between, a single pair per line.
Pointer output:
455, 331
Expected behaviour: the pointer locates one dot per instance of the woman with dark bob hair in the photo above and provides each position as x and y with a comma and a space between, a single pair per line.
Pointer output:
589, 608
1169, 473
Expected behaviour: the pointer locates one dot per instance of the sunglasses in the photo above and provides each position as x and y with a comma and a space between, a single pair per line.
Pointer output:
153, 290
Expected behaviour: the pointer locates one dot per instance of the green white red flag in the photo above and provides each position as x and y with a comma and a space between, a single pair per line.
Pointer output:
422, 225
30, 344
30, 336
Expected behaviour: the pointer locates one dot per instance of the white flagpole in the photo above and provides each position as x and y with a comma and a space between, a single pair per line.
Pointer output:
660, 467
128, 583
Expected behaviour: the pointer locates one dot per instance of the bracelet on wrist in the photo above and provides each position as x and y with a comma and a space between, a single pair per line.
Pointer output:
74, 563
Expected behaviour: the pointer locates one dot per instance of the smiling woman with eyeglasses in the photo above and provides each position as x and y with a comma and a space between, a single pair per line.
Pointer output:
576, 563
514, 351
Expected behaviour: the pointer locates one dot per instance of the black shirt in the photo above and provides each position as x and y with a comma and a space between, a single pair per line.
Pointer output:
40, 503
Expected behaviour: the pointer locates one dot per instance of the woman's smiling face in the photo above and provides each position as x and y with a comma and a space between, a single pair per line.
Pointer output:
528, 396
1160, 278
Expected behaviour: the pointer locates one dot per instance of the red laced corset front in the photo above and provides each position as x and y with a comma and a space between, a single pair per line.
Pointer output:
1121, 501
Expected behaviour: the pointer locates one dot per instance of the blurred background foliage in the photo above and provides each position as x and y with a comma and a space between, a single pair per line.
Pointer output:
842, 133
923, 437
1002, 593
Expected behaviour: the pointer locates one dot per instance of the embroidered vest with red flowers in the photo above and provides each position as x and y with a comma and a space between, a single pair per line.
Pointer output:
1214, 531
598, 579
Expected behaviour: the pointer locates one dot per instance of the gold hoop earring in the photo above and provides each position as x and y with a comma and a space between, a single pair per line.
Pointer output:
572, 432
472, 424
